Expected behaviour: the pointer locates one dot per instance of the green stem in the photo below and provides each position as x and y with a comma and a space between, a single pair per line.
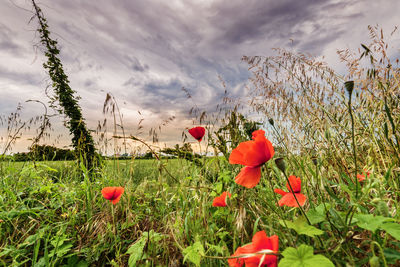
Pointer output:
291, 189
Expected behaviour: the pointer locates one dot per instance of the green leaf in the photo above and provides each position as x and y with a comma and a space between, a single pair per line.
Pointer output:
392, 229
301, 226
317, 215
194, 253
136, 251
369, 221
218, 249
219, 188
303, 256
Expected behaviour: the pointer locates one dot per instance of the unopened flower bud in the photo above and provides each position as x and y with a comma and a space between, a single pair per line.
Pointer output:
281, 164
349, 85
314, 161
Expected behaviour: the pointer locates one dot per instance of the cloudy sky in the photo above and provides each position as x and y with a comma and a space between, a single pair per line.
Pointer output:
145, 51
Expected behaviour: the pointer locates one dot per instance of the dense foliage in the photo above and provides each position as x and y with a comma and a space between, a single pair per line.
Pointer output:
81, 138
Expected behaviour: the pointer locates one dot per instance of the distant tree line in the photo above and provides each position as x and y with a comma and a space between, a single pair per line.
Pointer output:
52, 153
44, 152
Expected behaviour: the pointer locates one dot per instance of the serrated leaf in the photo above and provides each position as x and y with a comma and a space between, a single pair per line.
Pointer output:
194, 253
301, 226
136, 251
369, 221
303, 256
392, 229
217, 249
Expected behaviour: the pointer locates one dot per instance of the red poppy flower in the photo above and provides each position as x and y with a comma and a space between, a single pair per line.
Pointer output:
361, 177
288, 197
221, 200
198, 132
252, 154
259, 250
112, 193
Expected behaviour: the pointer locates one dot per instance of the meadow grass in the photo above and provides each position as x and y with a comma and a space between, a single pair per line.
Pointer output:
50, 217
339, 135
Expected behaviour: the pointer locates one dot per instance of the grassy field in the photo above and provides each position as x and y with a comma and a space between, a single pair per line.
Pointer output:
51, 216
324, 192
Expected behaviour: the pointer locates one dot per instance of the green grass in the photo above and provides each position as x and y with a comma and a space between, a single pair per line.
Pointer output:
53, 213
51, 217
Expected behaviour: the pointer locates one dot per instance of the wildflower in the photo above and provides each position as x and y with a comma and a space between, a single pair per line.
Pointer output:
252, 154
221, 200
288, 198
112, 193
261, 249
361, 177
198, 132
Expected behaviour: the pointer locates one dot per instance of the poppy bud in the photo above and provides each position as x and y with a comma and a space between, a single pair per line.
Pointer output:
349, 85
314, 161
281, 164
374, 261
271, 121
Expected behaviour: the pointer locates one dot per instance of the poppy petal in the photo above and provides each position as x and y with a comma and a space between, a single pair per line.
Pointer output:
115, 201
280, 192
238, 262
112, 193
197, 132
248, 177
275, 247
253, 153
360, 177
264, 146
269, 149
238, 154
256, 133
256, 156
290, 201
295, 182
259, 243
220, 201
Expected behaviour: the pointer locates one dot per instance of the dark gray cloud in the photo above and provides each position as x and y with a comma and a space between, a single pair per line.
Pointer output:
145, 51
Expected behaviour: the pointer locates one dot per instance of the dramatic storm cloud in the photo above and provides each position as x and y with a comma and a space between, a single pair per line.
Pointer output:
145, 52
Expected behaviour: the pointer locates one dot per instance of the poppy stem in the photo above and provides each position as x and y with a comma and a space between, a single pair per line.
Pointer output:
113, 219
239, 256
349, 86
278, 213
301, 209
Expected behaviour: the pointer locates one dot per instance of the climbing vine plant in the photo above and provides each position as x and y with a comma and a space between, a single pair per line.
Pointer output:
65, 96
